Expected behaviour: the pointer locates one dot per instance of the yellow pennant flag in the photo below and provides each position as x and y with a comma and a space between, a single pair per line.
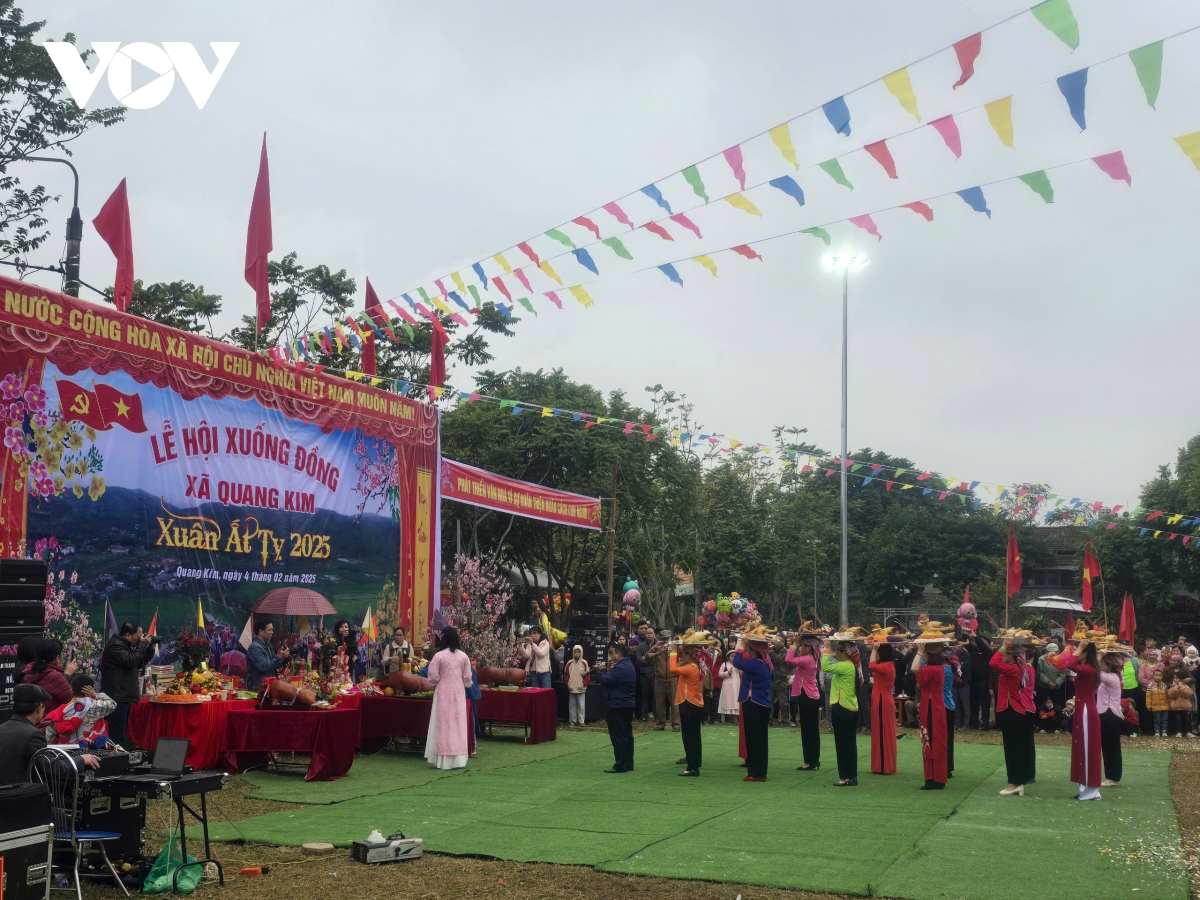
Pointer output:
733, 445
355, 376
999, 113
376, 382
707, 262
1157, 533
999, 489
547, 412
581, 295
1174, 519
438, 391
737, 201
901, 88
440, 304
499, 257
1190, 145
458, 283
782, 136
908, 487
545, 266
200, 613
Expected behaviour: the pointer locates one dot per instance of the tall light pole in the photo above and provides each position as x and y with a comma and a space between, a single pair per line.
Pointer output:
74, 229
845, 261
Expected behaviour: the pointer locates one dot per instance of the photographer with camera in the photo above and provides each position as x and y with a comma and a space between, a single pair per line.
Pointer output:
125, 655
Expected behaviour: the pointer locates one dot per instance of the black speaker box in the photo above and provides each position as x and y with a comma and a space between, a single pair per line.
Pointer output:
21, 618
23, 579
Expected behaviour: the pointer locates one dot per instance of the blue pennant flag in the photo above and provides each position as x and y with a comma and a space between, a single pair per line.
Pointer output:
974, 484
926, 491
1142, 531
403, 387
788, 185
867, 481
409, 301
478, 269
655, 194
504, 311
517, 410
838, 115
1073, 87
459, 300
577, 416
669, 270
974, 199
585, 260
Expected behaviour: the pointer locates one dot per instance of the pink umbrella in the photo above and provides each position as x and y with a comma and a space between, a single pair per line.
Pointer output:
293, 601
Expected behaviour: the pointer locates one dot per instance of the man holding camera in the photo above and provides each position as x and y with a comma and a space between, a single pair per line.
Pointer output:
125, 655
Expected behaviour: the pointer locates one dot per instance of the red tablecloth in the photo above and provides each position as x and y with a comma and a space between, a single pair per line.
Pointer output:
201, 723
329, 735
536, 708
384, 718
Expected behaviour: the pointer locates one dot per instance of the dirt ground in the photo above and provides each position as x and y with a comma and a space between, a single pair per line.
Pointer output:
434, 877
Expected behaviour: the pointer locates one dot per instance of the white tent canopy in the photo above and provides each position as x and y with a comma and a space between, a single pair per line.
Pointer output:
1063, 604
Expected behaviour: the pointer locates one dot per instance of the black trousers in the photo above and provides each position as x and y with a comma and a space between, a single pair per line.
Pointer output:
1112, 727
981, 704
845, 741
645, 696
620, 732
950, 742
810, 728
1019, 750
690, 717
117, 721
757, 723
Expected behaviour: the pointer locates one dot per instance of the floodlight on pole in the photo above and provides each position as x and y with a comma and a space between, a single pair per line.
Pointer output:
844, 261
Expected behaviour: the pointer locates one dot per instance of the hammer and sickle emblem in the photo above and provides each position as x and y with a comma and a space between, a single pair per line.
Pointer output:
80, 405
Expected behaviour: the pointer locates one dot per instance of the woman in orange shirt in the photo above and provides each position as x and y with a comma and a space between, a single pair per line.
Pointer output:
689, 696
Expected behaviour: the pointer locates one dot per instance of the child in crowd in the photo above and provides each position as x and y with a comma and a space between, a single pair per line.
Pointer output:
1068, 711
1048, 715
1156, 702
82, 717
577, 676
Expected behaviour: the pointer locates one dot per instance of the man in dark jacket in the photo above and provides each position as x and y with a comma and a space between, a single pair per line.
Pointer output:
262, 661
981, 686
645, 671
121, 664
20, 738
619, 686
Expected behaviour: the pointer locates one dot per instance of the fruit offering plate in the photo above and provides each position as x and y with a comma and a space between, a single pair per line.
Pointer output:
181, 698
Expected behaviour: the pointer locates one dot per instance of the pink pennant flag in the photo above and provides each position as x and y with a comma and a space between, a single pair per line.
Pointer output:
681, 219
867, 224
887, 486
441, 287
967, 51
617, 213
471, 398
528, 251
588, 224
523, 278
1113, 165
883, 156
948, 129
1022, 492
828, 472
733, 156
553, 297
942, 495
1096, 507
1111, 525
457, 317
503, 288
1118, 508
628, 428
655, 228
924, 475
921, 209
747, 251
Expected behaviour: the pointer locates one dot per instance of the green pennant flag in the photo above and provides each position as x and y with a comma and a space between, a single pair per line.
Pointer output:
833, 169
424, 296
1147, 61
474, 295
507, 403
1040, 185
617, 247
1056, 15
692, 174
561, 238
524, 301
819, 233
313, 347
409, 330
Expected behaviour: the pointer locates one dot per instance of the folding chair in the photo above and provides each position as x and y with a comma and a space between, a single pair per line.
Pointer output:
54, 767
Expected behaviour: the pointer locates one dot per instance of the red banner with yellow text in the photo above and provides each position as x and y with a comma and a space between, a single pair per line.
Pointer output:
466, 484
165, 468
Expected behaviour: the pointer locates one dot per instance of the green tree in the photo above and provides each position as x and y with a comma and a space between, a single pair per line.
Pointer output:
36, 115
178, 304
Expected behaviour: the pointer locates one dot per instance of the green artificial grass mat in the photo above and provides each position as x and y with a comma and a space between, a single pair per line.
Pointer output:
553, 803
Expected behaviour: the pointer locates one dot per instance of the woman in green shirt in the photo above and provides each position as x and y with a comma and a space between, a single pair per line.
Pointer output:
843, 700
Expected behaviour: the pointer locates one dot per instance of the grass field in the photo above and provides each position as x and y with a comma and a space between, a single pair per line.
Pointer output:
553, 803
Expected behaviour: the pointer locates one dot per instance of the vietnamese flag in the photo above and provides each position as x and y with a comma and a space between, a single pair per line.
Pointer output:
1128, 620
259, 240
1014, 562
1091, 571
121, 409
112, 224
78, 404
437, 352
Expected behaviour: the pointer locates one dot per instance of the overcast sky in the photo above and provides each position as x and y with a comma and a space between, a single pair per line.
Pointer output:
1050, 343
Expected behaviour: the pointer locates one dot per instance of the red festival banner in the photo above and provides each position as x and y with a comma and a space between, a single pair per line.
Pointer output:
163, 467
466, 484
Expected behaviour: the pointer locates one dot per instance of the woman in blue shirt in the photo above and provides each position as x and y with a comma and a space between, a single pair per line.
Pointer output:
753, 659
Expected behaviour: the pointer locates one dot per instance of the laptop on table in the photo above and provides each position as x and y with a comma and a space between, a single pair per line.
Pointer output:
170, 757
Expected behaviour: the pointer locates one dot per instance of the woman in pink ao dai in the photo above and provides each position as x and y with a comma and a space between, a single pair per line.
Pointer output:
450, 674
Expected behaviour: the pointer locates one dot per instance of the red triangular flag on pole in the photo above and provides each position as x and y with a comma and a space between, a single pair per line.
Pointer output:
368, 348
112, 224
153, 629
1014, 562
1069, 627
1128, 625
258, 240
